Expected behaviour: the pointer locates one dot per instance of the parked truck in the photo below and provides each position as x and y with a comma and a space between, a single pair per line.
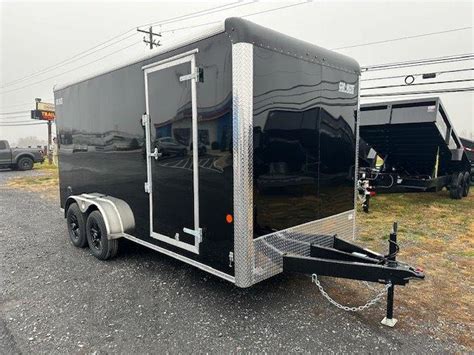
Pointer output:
19, 158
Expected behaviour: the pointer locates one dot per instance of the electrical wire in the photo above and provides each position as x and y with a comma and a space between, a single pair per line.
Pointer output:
402, 38
418, 74
23, 124
73, 69
438, 91
91, 50
426, 61
23, 104
13, 112
243, 16
416, 84
188, 27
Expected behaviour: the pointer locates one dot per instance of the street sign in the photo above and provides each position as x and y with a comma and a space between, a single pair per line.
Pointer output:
44, 111
42, 115
45, 106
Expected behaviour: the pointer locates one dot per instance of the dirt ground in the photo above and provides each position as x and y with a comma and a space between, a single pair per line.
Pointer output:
435, 233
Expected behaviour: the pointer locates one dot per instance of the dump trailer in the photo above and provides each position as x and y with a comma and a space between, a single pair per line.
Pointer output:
419, 147
270, 188
469, 149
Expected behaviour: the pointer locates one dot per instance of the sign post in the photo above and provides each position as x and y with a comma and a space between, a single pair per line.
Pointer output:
45, 112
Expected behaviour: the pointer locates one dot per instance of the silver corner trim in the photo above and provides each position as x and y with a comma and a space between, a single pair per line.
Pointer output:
182, 258
242, 121
356, 159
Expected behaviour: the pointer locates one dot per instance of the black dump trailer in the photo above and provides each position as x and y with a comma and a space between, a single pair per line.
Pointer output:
270, 186
468, 145
419, 147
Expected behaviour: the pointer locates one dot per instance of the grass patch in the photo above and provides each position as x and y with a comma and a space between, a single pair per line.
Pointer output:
47, 183
437, 234
45, 166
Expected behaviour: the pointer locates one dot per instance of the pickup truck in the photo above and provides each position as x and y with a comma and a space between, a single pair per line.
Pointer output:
19, 158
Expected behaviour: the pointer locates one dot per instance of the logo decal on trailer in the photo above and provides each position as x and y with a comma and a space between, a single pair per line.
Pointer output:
59, 101
346, 88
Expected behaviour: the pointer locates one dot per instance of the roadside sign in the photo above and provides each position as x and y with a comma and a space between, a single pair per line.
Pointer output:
44, 112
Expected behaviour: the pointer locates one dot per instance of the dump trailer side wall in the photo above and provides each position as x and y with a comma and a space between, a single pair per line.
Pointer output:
102, 146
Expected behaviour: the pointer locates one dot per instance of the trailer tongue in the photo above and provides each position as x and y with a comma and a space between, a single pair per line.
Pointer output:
347, 260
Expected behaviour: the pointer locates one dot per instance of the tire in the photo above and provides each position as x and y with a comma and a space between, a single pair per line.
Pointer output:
101, 247
466, 184
456, 186
25, 163
76, 226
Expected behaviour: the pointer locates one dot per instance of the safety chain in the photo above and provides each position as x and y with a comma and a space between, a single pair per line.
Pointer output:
370, 303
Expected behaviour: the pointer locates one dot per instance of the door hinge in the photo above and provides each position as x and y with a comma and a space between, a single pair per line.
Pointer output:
197, 233
198, 75
147, 187
231, 258
145, 119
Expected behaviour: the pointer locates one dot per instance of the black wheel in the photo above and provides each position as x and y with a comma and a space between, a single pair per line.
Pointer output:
101, 247
76, 226
456, 186
25, 163
466, 184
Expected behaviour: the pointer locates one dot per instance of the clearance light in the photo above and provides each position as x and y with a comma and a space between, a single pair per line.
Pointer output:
229, 219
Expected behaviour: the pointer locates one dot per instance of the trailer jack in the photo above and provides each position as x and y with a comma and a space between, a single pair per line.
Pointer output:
347, 260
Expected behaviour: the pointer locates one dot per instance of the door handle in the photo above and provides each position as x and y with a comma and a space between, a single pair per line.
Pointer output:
155, 154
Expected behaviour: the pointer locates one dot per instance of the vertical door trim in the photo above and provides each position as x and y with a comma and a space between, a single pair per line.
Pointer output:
188, 57
242, 122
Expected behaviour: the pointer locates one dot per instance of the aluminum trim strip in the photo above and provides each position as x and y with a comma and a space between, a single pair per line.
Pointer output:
242, 121
171, 59
182, 258
164, 238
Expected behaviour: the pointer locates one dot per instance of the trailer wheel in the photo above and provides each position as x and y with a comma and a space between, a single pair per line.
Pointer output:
466, 184
76, 226
101, 247
25, 163
456, 186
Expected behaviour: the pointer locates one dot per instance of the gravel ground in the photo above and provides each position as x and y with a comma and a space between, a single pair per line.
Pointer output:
55, 298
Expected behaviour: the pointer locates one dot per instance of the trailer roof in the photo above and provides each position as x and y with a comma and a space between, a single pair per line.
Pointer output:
240, 30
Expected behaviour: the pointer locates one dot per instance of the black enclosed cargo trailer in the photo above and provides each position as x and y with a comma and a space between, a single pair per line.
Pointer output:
272, 177
419, 147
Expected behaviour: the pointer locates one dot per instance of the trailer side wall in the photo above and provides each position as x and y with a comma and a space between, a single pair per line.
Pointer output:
102, 145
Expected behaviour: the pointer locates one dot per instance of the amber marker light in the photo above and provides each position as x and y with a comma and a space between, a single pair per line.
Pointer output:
229, 219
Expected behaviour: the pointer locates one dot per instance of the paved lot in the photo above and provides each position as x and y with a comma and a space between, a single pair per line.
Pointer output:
55, 298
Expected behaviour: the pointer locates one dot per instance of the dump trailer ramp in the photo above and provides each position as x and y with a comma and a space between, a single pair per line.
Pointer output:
343, 259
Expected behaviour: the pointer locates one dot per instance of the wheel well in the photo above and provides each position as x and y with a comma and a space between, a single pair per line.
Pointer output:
24, 155
70, 201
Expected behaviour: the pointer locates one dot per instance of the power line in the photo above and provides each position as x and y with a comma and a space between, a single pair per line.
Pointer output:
73, 69
13, 112
403, 38
64, 63
416, 84
438, 91
418, 74
91, 50
24, 124
121, 49
427, 61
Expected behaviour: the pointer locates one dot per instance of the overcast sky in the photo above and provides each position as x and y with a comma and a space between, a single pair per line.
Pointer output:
37, 35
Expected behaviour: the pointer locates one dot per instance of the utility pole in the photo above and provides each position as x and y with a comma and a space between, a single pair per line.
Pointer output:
150, 40
48, 148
